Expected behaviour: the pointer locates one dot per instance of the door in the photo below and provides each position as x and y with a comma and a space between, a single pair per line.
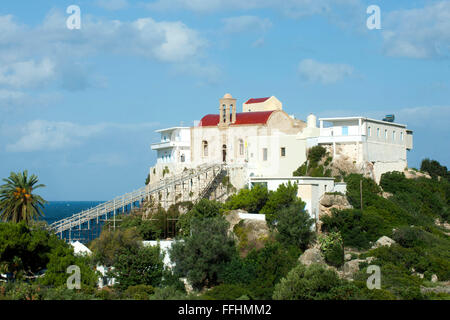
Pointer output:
224, 153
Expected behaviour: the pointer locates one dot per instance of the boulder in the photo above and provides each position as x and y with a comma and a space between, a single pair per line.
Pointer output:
351, 267
434, 278
383, 241
311, 256
348, 257
336, 200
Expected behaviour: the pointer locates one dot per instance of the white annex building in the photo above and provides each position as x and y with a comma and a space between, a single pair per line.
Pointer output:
265, 142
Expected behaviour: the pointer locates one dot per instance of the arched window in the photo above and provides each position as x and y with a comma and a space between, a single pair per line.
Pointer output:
224, 113
182, 158
205, 148
241, 147
231, 113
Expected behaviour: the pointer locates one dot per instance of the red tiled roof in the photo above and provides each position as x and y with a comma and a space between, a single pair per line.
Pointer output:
260, 117
256, 100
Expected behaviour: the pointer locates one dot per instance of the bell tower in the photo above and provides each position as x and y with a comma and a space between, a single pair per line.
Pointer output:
227, 110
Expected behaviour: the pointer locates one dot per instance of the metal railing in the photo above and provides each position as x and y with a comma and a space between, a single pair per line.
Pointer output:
78, 219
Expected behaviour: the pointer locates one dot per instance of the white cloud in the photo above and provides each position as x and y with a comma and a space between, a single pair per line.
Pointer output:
314, 71
246, 23
49, 54
27, 73
112, 4
418, 33
39, 135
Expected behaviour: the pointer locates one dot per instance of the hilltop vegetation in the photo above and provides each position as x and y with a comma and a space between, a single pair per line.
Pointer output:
219, 263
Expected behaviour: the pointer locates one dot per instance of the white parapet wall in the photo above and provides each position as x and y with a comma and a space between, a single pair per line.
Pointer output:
165, 246
310, 189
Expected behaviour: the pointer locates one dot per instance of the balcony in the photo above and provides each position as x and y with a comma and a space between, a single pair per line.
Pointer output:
338, 135
169, 144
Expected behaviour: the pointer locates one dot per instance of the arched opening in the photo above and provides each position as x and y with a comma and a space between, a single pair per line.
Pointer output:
205, 148
241, 147
224, 153
182, 158
224, 113
231, 113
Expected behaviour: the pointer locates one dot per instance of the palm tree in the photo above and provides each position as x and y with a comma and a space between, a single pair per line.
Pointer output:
17, 203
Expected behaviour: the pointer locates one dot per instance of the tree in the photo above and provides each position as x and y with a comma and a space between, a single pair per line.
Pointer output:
23, 249
110, 243
138, 266
250, 200
280, 199
313, 283
294, 226
17, 201
200, 256
60, 258
203, 209
434, 169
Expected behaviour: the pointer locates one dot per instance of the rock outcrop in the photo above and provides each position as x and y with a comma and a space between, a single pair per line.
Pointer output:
383, 241
310, 256
248, 232
330, 201
412, 174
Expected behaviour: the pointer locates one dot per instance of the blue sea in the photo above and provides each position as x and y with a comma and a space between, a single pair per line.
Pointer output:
56, 210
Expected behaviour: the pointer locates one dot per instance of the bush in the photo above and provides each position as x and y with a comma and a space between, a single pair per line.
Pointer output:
294, 226
409, 237
252, 200
226, 292
314, 283
106, 247
285, 196
139, 292
333, 249
434, 169
138, 266
203, 209
168, 293
200, 256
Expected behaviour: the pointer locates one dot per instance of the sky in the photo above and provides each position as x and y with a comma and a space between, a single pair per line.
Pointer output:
79, 106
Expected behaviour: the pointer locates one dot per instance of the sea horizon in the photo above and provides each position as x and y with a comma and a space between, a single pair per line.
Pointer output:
59, 209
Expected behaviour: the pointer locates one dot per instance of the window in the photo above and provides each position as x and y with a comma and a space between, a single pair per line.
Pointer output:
231, 112
264, 154
369, 131
401, 136
283, 151
182, 158
393, 135
378, 132
224, 113
241, 147
345, 131
205, 148
385, 134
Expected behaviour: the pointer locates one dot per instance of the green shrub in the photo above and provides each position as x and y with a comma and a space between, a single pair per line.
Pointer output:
294, 226
314, 283
226, 292
138, 266
203, 209
331, 245
139, 292
200, 256
252, 200
283, 197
